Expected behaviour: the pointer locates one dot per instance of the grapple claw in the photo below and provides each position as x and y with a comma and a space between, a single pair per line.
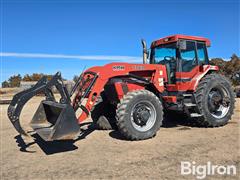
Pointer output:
52, 120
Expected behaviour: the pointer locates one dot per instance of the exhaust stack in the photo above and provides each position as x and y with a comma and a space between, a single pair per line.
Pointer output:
145, 51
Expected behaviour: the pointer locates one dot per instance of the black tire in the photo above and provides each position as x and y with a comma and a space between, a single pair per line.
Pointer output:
104, 116
125, 108
202, 95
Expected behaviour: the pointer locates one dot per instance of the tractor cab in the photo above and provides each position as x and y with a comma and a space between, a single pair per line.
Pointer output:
182, 55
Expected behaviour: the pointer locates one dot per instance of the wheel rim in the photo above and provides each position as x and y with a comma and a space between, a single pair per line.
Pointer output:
218, 102
143, 116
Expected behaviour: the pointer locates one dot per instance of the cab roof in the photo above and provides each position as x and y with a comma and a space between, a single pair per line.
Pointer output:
175, 38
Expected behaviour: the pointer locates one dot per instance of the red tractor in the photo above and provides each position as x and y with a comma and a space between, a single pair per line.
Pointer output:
133, 97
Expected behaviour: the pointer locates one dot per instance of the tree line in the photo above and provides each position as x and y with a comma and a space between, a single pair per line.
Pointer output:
230, 69
14, 81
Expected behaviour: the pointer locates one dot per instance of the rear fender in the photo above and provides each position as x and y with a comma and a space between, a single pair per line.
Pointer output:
206, 69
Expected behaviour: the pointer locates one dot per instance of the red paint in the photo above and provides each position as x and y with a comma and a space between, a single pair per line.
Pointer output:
195, 75
129, 86
119, 89
134, 87
106, 72
152, 74
171, 99
121, 69
175, 38
155, 73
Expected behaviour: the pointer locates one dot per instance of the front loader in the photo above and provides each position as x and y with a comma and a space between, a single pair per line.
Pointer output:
52, 120
133, 97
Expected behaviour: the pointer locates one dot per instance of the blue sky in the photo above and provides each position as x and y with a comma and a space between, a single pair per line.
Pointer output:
60, 35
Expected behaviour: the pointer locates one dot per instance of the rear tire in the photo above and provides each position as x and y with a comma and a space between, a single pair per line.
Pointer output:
139, 115
215, 100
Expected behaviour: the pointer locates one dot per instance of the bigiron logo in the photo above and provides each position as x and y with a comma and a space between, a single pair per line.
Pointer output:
202, 171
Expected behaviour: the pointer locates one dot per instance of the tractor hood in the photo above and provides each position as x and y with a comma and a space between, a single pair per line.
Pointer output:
121, 69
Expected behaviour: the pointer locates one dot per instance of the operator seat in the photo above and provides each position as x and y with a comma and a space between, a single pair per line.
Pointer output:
171, 68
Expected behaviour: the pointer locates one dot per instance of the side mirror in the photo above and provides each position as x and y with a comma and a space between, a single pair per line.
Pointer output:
145, 51
182, 45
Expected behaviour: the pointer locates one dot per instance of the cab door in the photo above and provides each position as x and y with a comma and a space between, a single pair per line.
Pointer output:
188, 64
191, 58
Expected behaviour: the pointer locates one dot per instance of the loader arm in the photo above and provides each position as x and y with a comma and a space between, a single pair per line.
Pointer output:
93, 90
43, 85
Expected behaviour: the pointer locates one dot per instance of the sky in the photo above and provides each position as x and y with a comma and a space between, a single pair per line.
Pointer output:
46, 36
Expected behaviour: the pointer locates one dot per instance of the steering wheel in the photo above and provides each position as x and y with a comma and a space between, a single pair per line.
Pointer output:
194, 61
168, 58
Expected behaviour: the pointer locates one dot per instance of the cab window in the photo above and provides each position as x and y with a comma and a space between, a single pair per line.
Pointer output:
164, 53
188, 57
201, 51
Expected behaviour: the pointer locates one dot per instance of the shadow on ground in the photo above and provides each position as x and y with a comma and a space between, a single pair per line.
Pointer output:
53, 147
171, 119
174, 119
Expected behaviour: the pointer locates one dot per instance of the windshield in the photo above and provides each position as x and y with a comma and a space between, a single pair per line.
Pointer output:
163, 53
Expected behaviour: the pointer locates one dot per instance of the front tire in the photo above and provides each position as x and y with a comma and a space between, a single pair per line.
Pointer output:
215, 100
139, 115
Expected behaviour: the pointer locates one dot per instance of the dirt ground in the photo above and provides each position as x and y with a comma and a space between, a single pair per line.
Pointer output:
106, 155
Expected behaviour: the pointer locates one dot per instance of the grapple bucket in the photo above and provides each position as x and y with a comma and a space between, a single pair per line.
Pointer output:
52, 120
55, 121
